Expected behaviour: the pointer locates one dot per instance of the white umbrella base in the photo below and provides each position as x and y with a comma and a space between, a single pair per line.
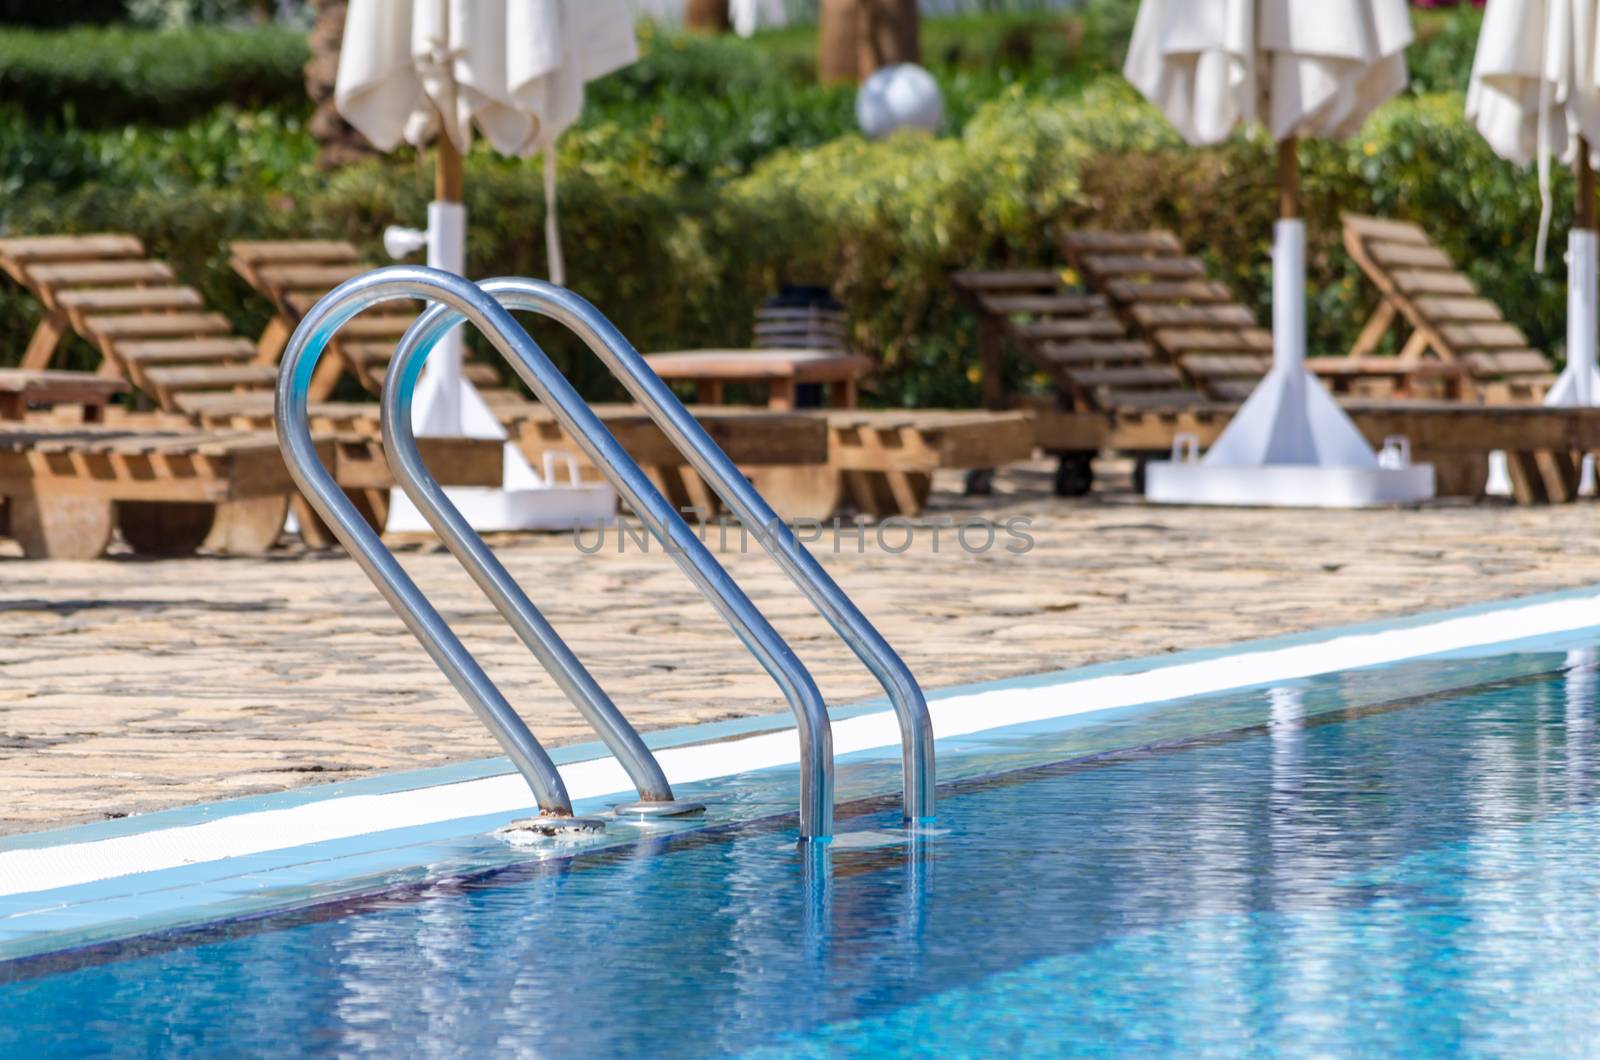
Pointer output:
1286, 485
1290, 445
490, 510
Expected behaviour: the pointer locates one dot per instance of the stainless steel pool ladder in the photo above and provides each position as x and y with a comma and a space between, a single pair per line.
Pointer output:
712, 464
460, 300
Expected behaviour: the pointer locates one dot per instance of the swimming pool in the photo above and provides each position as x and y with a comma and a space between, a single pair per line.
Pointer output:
1398, 860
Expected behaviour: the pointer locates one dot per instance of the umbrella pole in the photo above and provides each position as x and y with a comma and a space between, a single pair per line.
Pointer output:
1579, 385
448, 178
439, 402
1584, 215
1289, 178
1289, 266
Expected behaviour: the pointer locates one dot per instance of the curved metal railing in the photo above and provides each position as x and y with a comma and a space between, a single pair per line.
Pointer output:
470, 303
686, 434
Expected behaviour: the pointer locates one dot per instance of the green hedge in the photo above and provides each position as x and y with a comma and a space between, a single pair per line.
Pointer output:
99, 77
678, 262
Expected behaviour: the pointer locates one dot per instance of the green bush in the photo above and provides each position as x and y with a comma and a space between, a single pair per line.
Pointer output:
896, 219
1441, 57
680, 262
714, 170
99, 77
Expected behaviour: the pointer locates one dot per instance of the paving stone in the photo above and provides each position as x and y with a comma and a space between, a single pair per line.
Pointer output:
130, 685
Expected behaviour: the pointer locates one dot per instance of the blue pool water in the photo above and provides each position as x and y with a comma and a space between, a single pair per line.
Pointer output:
1311, 871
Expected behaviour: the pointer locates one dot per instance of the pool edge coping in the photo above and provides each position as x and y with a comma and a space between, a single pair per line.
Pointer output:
324, 863
392, 781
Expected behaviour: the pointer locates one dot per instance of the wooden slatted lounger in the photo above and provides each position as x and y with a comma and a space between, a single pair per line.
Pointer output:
1163, 294
294, 274
881, 460
150, 329
752, 438
1165, 297
1531, 435
156, 334
68, 486
1079, 343
757, 437
1196, 323
1421, 288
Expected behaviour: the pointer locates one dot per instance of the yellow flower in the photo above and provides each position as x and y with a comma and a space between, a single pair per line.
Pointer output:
974, 373
1369, 148
1069, 277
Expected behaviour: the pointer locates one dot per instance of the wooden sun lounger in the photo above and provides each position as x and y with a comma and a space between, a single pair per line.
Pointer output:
1163, 295
172, 491
1073, 338
809, 463
293, 275
1448, 320
887, 457
755, 438
151, 330
68, 487
1544, 446
1079, 343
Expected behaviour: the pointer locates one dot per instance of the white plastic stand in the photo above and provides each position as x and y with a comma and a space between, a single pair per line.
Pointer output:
1290, 445
446, 405
1578, 386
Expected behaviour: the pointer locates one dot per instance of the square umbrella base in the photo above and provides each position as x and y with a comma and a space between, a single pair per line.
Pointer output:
498, 510
1286, 485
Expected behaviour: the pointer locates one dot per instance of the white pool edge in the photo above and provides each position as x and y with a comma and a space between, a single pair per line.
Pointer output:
70, 863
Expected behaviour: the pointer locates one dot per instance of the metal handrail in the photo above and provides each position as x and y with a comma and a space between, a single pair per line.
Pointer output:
292, 419
415, 282
525, 619
704, 455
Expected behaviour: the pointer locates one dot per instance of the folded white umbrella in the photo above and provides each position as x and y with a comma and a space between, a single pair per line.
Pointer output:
1534, 94
1298, 68
750, 15
514, 72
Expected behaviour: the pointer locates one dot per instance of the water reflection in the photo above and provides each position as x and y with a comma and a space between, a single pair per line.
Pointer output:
1317, 878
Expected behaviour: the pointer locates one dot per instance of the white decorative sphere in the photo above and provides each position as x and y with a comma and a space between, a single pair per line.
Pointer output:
903, 96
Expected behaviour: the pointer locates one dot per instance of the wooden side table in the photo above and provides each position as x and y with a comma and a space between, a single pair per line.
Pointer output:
780, 370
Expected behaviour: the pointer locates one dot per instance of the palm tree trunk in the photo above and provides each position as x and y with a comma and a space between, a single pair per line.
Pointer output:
888, 35
838, 25
340, 144
856, 37
707, 16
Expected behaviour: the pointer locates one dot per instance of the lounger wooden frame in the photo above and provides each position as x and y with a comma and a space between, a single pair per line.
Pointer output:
1164, 296
1421, 288
149, 328
293, 275
881, 461
172, 491
1544, 446
1071, 336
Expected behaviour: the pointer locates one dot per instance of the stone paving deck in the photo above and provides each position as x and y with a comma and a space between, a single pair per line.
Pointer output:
128, 686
